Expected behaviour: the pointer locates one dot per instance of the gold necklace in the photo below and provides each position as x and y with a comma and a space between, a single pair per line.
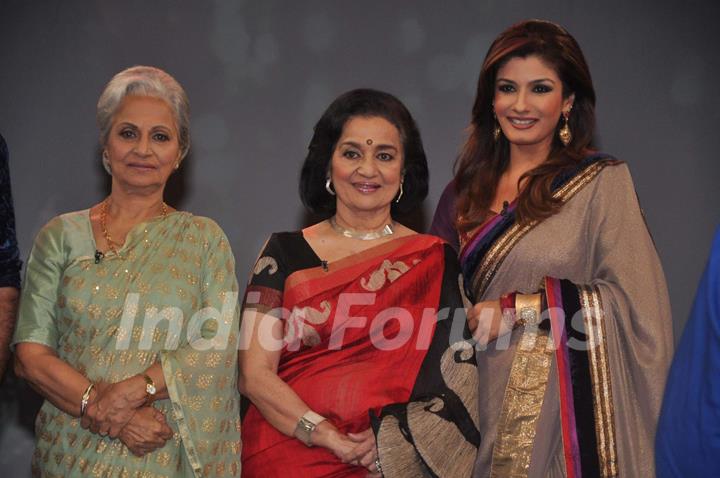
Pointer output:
103, 224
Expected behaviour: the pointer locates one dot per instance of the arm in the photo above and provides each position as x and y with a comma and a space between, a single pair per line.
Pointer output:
9, 261
443, 224
8, 314
36, 342
275, 399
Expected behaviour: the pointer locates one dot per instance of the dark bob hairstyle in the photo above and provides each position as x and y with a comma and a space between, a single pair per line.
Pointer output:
327, 131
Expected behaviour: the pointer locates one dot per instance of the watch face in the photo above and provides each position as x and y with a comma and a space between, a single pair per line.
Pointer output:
150, 389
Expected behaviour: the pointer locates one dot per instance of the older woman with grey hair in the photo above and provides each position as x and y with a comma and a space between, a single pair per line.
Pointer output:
128, 316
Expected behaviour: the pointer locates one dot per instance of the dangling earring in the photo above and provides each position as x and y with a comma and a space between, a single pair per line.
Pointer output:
496, 130
106, 163
401, 191
328, 186
177, 165
565, 134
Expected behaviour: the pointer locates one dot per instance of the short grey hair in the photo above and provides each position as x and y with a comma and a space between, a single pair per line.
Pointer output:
145, 81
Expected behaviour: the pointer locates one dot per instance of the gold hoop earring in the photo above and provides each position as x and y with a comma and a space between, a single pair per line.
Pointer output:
497, 131
328, 186
565, 134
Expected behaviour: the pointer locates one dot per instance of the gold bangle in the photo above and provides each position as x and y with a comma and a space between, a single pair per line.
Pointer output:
528, 308
85, 399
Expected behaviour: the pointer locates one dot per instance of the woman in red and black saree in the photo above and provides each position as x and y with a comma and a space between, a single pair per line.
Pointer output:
352, 355
570, 297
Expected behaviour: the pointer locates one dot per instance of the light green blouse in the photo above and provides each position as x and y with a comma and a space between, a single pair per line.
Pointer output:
168, 295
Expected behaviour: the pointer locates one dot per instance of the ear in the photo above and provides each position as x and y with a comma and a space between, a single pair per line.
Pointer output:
568, 103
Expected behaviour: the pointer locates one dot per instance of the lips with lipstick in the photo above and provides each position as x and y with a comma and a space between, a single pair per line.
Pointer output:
521, 123
366, 187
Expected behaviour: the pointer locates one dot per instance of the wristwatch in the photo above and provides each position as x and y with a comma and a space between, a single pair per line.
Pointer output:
306, 425
150, 389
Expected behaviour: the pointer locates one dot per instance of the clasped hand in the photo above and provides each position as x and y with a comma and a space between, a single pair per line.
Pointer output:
118, 412
357, 449
486, 322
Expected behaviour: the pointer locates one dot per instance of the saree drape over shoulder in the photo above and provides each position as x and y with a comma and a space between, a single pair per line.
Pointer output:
113, 318
365, 346
579, 394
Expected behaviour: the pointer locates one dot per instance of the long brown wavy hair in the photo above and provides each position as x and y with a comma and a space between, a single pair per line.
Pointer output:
483, 159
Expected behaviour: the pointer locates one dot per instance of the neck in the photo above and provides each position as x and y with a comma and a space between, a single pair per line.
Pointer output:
523, 158
132, 207
362, 220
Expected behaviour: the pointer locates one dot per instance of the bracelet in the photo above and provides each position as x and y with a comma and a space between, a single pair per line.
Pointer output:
85, 399
150, 389
529, 308
306, 425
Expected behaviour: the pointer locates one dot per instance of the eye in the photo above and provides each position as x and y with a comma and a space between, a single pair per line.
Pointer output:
162, 137
350, 154
385, 157
127, 133
542, 89
506, 88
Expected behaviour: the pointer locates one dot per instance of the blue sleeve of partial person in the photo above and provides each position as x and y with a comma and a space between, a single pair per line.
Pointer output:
688, 436
443, 224
9, 253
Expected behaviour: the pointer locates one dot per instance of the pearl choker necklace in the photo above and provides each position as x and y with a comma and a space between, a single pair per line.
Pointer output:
386, 230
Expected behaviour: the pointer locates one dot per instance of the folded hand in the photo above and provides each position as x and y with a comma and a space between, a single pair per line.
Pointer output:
146, 431
113, 406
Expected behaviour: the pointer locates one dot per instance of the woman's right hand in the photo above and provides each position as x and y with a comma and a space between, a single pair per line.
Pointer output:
486, 322
327, 436
146, 431
113, 405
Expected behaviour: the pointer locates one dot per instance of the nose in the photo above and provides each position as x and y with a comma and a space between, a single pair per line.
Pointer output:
367, 167
520, 104
143, 145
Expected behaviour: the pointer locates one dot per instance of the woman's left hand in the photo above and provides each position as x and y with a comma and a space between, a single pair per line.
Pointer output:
114, 406
365, 451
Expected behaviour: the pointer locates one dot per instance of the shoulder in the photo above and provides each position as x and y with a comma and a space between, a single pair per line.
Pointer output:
613, 175
284, 241
202, 226
74, 222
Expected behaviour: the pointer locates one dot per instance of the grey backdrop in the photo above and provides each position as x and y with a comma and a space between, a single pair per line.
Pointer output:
260, 73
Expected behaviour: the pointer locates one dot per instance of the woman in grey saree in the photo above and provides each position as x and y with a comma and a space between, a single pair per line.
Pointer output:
573, 383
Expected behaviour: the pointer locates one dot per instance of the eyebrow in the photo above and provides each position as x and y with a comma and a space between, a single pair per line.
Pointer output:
539, 80
133, 125
377, 146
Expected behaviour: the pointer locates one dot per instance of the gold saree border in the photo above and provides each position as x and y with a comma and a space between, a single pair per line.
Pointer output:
522, 402
502, 247
170, 373
593, 315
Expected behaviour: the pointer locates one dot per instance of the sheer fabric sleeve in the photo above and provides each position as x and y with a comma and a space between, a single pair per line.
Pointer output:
39, 297
201, 374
